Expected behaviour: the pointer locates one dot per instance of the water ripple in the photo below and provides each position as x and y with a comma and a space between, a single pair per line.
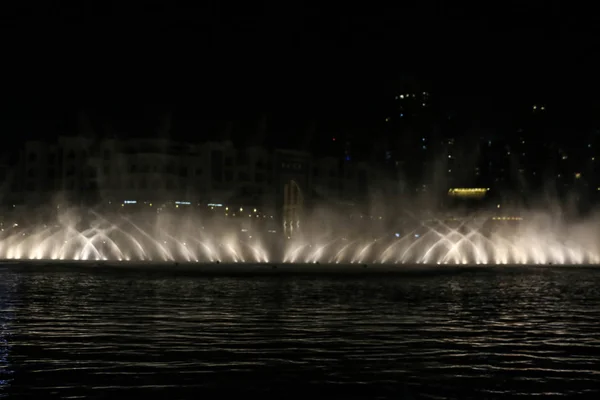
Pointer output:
466, 336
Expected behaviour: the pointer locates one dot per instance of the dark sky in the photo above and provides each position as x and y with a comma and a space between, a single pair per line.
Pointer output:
301, 60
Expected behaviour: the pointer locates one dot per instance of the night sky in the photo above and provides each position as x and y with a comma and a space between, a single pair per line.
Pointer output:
127, 65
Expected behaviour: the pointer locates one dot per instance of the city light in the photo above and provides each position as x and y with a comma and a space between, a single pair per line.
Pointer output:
468, 192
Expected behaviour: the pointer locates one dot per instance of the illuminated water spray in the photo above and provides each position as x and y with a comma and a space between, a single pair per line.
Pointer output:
186, 240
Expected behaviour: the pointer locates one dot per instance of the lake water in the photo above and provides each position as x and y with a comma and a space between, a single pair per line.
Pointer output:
469, 333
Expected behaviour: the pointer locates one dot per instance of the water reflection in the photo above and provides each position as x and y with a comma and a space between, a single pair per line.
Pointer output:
468, 335
6, 317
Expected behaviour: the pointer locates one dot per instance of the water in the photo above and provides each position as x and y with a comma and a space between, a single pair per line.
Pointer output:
468, 333
539, 238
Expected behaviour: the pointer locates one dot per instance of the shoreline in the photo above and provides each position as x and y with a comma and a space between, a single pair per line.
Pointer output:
271, 269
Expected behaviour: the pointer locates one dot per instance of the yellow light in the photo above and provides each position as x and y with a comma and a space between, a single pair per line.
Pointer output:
176, 205
577, 175
468, 192
241, 209
255, 210
226, 208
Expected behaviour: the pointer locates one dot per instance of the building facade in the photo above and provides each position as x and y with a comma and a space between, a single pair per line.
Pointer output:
216, 177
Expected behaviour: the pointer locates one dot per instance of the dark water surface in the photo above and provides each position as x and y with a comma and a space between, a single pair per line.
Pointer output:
469, 334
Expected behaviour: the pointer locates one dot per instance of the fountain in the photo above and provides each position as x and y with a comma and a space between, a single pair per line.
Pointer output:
473, 240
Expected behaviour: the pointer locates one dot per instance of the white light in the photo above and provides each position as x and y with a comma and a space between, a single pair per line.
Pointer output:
130, 201
401, 96
397, 234
183, 202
